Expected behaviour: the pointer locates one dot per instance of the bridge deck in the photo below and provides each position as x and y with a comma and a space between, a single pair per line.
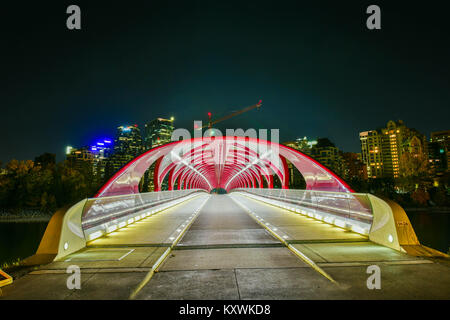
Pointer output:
226, 254
222, 222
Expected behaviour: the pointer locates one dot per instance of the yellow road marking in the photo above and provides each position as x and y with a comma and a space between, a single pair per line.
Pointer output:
166, 253
294, 250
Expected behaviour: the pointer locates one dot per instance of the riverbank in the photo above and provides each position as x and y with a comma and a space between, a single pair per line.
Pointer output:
23, 216
431, 227
20, 219
429, 209
20, 239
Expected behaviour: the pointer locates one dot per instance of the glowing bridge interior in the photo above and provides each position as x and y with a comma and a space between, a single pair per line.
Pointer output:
259, 223
222, 162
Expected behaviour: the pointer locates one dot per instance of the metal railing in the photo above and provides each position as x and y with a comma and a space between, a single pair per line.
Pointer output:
347, 210
107, 214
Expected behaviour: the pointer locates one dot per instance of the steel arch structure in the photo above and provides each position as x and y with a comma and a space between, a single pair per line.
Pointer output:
221, 162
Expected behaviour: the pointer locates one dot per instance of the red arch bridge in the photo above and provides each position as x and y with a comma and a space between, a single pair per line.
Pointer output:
196, 235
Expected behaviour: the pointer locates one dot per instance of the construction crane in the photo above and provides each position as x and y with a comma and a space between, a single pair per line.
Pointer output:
231, 115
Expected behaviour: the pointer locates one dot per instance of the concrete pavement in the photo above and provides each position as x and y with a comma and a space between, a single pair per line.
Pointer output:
225, 254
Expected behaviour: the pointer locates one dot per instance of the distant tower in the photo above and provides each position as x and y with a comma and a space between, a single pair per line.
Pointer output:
371, 152
128, 141
158, 132
439, 151
382, 149
81, 159
127, 146
102, 150
328, 154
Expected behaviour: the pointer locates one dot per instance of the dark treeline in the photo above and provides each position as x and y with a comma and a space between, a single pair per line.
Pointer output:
418, 185
407, 191
44, 185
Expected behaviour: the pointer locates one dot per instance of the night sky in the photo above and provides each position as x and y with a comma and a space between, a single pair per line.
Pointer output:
319, 71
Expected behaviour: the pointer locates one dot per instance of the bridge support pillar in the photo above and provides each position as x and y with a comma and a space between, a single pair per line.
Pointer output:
156, 182
270, 182
285, 182
170, 179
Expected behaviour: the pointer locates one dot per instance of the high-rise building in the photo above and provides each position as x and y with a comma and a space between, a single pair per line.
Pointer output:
397, 139
102, 151
439, 151
382, 149
437, 158
81, 158
158, 132
127, 146
328, 154
322, 150
371, 153
353, 166
301, 144
128, 141
115, 162
91, 159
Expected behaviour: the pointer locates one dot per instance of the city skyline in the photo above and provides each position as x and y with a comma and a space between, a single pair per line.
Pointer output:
320, 72
382, 151
92, 141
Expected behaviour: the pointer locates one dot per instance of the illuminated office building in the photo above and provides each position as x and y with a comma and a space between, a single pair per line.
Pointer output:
158, 132
322, 150
353, 167
439, 151
371, 153
128, 141
102, 151
325, 152
382, 149
302, 144
127, 146
81, 158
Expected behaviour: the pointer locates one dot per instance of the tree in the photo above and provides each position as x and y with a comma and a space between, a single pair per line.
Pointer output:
415, 165
415, 172
15, 193
382, 186
44, 185
420, 196
45, 160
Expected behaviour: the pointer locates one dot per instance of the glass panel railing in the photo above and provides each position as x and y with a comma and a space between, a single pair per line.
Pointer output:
107, 211
345, 209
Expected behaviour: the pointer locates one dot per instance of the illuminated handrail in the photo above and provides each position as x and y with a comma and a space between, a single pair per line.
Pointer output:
348, 210
92, 218
107, 209
382, 220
